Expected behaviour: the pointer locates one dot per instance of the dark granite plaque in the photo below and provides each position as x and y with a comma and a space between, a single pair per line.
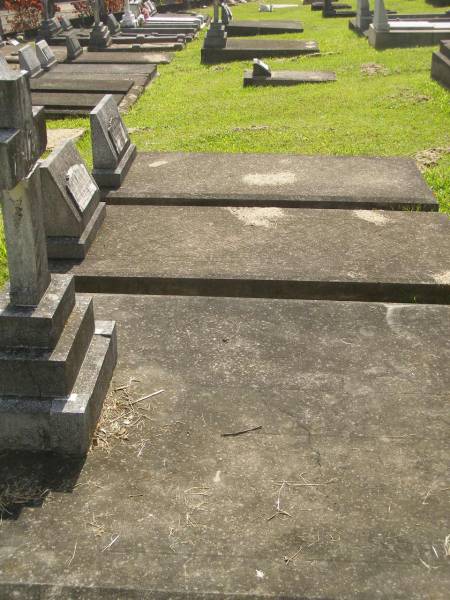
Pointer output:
118, 135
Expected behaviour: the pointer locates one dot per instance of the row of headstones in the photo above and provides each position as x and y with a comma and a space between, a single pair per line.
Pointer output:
53, 376
71, 195
39, 58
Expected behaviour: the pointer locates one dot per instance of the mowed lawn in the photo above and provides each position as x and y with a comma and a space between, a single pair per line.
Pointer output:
383, 103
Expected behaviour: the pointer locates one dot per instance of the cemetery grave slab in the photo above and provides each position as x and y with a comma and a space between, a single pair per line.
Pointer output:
286, 78
407, 35
65, 103
114, 69
138, 79
440, 64
259, 27
351, 401
251, 251
122, 58
245, 49
281, 180
121, 86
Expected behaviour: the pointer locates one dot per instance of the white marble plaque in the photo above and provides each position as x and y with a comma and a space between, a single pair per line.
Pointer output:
80, 186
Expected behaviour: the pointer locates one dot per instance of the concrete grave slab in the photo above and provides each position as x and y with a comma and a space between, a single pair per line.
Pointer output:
259, 27
274, 252
287, 78
243, 49
274, 180
67, 103
122, 58
353, 396
440, 64
124, 70
58, 84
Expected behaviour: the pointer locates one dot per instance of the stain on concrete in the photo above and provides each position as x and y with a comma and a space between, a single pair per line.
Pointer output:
258, 217
263, 179
158, 163
372, 216
443, 278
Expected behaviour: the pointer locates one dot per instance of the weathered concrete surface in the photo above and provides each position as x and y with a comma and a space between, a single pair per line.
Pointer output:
285, 78
270, 252
274, 180
125, 70
353, 397
124, 58
440, 64
76, 86
243, 49
259, 27
69, 103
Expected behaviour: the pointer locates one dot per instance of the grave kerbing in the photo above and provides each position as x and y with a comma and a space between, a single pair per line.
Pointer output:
56, 362
72, 209
112, 151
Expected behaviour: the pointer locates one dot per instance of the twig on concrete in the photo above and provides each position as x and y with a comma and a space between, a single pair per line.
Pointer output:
113, 541
242, 431
147, 397
288, 559
69, 562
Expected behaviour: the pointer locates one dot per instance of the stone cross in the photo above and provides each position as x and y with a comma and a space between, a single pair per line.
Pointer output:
380, 18
20, 192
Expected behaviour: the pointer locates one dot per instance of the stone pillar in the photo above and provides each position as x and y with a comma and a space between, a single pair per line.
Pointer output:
380, 18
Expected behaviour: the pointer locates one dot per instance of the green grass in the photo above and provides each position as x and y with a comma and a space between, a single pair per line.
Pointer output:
397, 112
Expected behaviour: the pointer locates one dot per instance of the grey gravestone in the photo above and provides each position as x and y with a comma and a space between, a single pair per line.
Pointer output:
45, 55
29, 61
65, 24
41, 359
74, 49
260, 68
112, 24
2, 33
72, 211
217, 35
380, 18
112, 151
100, 37
4, 67
226, 14
50, 26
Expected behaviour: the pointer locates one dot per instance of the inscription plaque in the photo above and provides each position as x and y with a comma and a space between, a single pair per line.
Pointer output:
80, 186
117, 134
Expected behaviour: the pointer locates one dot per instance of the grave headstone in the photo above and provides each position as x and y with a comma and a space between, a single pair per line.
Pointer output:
2, 34
380, 18
100, 36
73, 46
226, 14
65, 23
128, 18
260, 68
53, 378
50, 25
45, 55
112, 24
363, 15
73, 212
29, 61
217, 35
113, 153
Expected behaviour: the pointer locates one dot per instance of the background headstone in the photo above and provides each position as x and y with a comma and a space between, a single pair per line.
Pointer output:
260, 68
73, 46
29, 61
45, 55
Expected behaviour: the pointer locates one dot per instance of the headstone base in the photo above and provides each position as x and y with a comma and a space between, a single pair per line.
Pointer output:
440, 64
216, 36
63, 424
100, 38
65, 248
114, 179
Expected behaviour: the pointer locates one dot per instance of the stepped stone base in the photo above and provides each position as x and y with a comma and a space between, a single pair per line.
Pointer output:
63, 424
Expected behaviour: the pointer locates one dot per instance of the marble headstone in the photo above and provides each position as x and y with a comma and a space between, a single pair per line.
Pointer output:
113, 24
261, 69
45, 55
113, 153
29, 61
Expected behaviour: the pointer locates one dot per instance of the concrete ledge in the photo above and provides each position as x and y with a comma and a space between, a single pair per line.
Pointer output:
64, 248
63, 424
114, 179
286, 78
241, 49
